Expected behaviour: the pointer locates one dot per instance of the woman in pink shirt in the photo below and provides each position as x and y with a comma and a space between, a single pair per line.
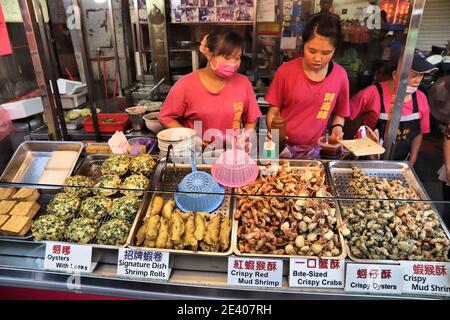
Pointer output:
374, 105
310, 90
215, 95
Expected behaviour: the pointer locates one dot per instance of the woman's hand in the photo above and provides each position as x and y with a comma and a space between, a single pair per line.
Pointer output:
336, 134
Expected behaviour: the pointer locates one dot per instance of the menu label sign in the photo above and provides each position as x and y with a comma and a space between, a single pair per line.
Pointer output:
255, 272
68, 257
426, 278
143, 264
316, 273
373, 278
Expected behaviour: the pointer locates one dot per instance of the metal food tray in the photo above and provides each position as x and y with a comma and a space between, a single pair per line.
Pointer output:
91, 167
31, 157
173, 178
341, 175
299, 165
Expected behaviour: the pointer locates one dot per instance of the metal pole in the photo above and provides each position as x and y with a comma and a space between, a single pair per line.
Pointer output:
50, 61
403, 71
114, 43
139, 40
40, 67
255, 39
87, 66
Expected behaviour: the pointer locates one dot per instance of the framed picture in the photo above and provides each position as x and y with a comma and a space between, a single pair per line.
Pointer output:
189, 15
221, 3
243, 13
225, 14
207, 14
176, 15
344, 11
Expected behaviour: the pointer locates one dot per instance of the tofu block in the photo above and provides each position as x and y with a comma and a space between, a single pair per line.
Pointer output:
6, 206
16, 225
24, 193
61, 160
25, 209
6, 193
3, 219
54, 177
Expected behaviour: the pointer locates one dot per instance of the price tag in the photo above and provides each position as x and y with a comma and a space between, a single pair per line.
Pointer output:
68, 257
316, 273
255, 272
373, 278
143, 264
426, 277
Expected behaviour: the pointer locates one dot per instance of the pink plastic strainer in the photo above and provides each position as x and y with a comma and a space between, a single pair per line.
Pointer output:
234, 168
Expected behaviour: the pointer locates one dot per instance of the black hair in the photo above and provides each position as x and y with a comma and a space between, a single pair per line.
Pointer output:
325, 25
224, 41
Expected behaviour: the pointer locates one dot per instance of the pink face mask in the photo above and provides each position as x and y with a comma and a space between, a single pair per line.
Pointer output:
225, 70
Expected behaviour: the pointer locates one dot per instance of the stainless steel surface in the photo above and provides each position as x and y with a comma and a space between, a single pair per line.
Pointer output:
30, 158
403, 70
295, 165
341, 175
114, 44
41, 67
80, 36
137, 121
224, 209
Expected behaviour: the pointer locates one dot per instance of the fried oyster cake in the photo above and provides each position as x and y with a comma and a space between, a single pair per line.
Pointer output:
116, 165
48, 227
114, 232
79, 181
64, 206
142, 164
125, 208
95, 207
135, 181
108, 181
82, 230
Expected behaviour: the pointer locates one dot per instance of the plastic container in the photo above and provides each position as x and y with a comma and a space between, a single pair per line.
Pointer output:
24, 108
108, 122
136, 114
73, 101
328, 150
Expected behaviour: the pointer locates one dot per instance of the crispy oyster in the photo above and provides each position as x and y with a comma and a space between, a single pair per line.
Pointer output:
114, 232
108, 181
48, 227
125, 208
95, 207
82, 230
135, 181
142, 164
79, 181
64, 206
116, 165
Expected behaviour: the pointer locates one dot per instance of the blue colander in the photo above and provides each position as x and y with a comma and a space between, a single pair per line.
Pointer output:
198, 192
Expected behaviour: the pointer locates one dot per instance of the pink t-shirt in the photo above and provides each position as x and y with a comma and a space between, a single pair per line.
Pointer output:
190, 101
367, 102
307, 105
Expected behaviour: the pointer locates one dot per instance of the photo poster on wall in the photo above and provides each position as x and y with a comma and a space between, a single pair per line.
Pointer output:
191, 11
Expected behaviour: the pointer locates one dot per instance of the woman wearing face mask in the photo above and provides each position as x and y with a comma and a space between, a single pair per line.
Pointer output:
374, 105
216, 95
310, 90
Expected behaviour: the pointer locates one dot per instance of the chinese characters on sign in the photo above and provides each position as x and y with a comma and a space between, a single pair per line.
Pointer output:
5, 44
143, 264
255, 272
373, 278
68, 257
316, 273
426, 278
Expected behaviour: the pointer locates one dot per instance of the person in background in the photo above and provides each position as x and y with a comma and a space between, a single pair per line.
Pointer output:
444, 172
216, 95
374, 104
325, 9
310, 90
